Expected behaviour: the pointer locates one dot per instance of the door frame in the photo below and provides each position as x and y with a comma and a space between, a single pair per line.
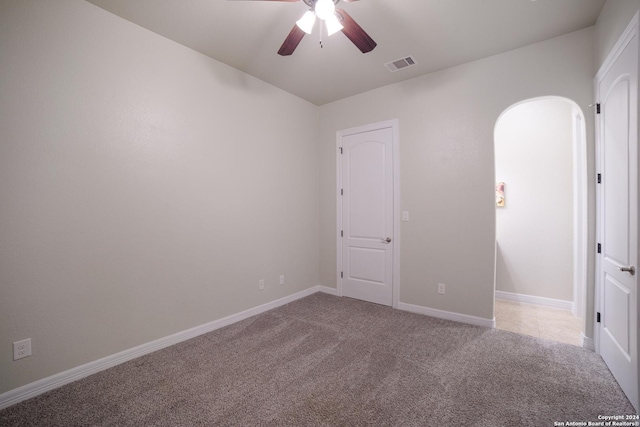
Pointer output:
632, 30
580, 214
393, 124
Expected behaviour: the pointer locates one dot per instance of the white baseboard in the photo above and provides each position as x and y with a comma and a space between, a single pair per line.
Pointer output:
328, 290
588, 343
33, 389
448, 315
530, 299
36, 388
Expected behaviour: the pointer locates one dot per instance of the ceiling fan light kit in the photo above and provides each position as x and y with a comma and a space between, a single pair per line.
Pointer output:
334, 19
324, 9
307, 21
333, 25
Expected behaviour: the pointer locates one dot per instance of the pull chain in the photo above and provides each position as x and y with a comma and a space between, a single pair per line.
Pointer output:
320, 33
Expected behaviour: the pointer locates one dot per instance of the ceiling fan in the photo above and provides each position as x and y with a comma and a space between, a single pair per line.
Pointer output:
333, 18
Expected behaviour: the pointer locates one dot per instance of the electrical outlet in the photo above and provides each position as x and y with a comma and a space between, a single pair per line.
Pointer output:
282, 279
22, 349
441, 287
261, 284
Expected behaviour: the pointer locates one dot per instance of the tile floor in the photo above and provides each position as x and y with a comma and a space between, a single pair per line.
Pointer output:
538, 321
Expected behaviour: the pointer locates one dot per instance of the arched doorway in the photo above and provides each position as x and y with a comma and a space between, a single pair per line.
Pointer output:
540, 149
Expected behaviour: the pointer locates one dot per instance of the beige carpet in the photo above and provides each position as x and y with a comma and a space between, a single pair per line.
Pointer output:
329, 361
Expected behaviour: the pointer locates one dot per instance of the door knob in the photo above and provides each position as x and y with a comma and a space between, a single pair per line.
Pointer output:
631, 269
387, 240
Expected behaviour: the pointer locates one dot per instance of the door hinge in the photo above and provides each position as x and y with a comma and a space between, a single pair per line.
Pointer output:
341, 233
341, 147
341, 274
598, 108
599, 248
341, 192
598, 317
599, 178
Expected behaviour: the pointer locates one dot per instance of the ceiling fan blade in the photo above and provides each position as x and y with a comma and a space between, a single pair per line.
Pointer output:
292, 41
290, 1
355, 33
349, 1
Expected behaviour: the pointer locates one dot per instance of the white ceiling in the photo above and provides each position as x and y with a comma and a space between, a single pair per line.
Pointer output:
437, 33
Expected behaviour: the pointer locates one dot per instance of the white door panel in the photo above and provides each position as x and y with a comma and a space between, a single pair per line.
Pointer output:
367, 215
617, 225
615, 154
367, 264
617, 299
365, 179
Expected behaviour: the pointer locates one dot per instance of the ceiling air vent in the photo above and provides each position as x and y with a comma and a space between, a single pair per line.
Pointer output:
400, 64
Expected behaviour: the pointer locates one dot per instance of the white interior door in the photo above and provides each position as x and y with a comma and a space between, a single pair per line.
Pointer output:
367, 215
617, 89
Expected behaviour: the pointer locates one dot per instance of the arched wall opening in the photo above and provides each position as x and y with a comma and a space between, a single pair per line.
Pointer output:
541, 231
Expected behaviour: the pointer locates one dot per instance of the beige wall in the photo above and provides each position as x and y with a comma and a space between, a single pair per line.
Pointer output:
612, 21
145, 188
534, 230
446, 124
